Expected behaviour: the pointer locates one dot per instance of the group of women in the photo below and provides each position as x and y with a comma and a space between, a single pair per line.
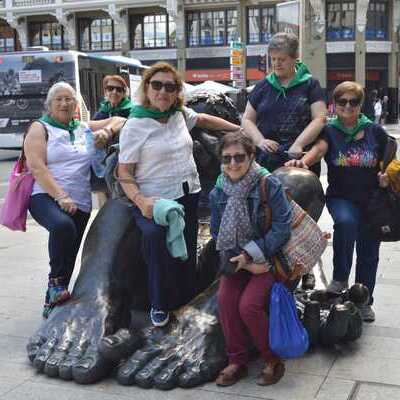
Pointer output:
285, 115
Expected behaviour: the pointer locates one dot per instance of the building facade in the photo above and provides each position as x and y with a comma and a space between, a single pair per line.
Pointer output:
340, 39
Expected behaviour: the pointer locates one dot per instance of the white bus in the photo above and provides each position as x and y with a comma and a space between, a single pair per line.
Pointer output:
26, 76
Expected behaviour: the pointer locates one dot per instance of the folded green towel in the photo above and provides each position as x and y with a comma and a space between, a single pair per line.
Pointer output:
170, 214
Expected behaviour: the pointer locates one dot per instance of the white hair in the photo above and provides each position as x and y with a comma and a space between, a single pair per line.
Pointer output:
54, 89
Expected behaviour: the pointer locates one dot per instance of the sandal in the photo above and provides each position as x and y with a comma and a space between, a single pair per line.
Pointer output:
271, 373
231, 374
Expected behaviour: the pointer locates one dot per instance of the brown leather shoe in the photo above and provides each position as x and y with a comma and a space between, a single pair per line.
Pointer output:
231, 374
271, 373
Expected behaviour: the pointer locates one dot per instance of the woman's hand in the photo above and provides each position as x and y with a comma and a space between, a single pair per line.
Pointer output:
67, 204
269, 145
296, 163
383, 180
145, 205
101, 138
255, 269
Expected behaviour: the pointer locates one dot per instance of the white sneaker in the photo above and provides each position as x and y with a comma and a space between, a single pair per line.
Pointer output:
367, 313
337, 286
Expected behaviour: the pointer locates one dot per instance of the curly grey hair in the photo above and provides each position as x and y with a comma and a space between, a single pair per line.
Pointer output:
285, 42
54, 89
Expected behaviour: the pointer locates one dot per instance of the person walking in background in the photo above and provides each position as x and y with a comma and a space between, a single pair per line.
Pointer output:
385, 110
378, 110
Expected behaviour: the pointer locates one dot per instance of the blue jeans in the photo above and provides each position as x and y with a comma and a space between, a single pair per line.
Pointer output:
349, 231
65, 233
171, 282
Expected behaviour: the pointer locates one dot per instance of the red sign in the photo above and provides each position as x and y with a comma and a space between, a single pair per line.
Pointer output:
341, 75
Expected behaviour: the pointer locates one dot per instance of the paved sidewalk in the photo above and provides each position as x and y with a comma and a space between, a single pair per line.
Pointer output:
364, 370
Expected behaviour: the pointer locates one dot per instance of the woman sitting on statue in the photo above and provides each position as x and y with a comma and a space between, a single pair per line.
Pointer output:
57, 153
156, 161
237, 220
353, 147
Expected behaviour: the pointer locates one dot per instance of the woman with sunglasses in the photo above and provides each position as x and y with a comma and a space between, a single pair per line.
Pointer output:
116, 103
237, 221
353, 147
156, 161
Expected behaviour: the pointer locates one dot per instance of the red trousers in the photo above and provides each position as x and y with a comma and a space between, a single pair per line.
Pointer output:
243, 300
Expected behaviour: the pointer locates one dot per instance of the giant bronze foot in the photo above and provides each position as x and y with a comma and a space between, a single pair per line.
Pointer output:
187, 353
66, 344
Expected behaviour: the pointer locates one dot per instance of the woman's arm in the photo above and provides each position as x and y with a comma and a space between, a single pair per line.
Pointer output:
313, 129
126, 173
250, 128
106, 129
208, 121
35, 148
316, 153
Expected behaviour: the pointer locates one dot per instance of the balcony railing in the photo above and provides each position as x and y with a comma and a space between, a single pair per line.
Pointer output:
31, 3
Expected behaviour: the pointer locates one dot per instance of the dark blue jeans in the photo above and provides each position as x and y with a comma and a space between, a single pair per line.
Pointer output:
349, 231
171, 282
65, 233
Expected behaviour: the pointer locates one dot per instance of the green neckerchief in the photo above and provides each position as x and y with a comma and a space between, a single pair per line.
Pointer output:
69, 127
301, 75
124, 105
218, 184
144, 112
350, 133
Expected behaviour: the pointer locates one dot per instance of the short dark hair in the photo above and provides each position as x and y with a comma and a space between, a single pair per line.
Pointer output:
285, 42
237, 138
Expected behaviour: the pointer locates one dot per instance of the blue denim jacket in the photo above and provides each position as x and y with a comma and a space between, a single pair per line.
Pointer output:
264, 244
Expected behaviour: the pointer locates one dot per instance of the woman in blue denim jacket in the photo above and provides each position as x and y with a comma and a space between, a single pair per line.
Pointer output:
237, 220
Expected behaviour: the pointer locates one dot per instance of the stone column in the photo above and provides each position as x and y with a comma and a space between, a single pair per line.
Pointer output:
314, 39
19, 24
67, 20
394, 65
360, 46
121, 26
175, 10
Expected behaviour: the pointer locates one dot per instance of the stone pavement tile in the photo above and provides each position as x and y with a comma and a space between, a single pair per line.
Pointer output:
386, 305
43, 388
20, 326
335, 389
290, 387
314, 362
369, 391
380, 369
369, 346
13, 349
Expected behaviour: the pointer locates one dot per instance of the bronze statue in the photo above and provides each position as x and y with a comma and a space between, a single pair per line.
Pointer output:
105, 325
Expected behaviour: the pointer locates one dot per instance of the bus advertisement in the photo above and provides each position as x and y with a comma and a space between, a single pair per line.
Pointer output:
25, 78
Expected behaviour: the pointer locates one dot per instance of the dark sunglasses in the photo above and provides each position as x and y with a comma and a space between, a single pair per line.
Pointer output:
118, 89
351, 102
169, 87
238, 158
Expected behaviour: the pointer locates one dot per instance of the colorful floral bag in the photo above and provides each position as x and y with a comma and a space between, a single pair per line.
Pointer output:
304, 248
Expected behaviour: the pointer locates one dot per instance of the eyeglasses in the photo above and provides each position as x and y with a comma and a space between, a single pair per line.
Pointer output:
352, 102
118, 89
169, 87
238, 158
67, 100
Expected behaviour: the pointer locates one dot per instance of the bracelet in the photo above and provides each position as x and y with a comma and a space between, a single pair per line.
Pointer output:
61, 197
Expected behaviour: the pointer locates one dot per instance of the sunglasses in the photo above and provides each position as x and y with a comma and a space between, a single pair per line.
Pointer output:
238, 158
169, 87
118, 89
351, 102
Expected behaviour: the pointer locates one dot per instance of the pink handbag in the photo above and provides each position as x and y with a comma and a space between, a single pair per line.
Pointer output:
15, 208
